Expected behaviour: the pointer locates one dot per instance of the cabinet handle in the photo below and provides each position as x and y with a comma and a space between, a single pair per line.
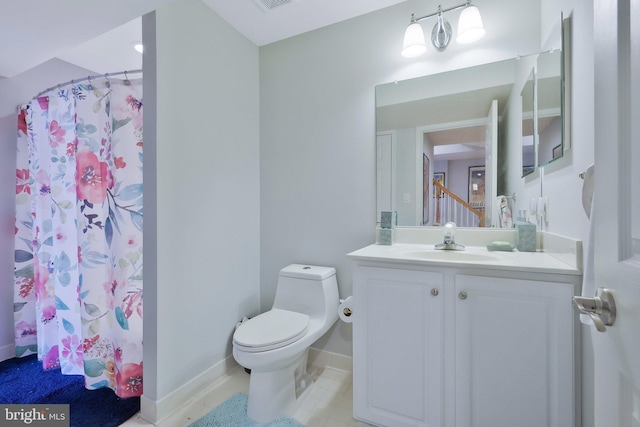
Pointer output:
462, 295
435, 292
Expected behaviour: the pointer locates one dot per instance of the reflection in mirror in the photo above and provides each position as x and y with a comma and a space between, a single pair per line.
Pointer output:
528, 126
456, 119
549, 90
452, 119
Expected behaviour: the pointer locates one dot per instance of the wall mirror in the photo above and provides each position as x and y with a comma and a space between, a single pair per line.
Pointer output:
456, 119
549, 107
529, 135
452, 119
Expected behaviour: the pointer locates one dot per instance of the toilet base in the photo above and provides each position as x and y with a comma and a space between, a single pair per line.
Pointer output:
275, 394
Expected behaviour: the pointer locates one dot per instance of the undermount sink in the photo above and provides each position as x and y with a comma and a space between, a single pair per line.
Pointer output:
450, 255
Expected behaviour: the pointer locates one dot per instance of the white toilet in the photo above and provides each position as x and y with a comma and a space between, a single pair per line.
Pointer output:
275, 344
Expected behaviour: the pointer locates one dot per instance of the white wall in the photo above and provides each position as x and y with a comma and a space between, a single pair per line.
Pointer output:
202, 193
8, 126
317, 131
15, 91
560, 179
459, 175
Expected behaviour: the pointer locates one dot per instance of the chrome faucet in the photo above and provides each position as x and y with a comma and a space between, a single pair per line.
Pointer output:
449, 242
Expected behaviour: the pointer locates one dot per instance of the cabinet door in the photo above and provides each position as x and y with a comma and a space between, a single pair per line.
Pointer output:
514, 353
397, 347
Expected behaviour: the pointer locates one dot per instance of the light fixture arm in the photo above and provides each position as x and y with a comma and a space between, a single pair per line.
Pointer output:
470, 29
440, 11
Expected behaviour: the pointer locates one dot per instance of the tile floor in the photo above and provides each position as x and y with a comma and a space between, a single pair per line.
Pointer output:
328, 404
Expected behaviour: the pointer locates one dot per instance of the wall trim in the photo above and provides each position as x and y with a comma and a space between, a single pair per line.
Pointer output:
7, 352
155, 411
322, 359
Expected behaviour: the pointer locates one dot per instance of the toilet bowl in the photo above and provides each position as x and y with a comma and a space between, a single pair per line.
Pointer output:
275, 345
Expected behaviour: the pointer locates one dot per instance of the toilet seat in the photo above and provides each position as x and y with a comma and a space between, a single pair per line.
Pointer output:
270, 330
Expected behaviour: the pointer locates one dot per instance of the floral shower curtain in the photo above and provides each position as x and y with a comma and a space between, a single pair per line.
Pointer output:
78, 241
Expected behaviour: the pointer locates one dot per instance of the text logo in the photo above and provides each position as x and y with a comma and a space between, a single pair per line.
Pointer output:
34, 415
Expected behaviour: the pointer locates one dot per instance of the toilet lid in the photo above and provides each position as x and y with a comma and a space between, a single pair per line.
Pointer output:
270, 330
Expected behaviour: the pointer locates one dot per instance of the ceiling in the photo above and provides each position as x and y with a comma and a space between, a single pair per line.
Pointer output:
290, 19
102, 41
33, 32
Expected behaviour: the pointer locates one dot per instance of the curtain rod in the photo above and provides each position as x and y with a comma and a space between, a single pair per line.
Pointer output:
88, 78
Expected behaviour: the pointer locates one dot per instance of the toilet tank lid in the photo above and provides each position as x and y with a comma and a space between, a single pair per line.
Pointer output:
311, 272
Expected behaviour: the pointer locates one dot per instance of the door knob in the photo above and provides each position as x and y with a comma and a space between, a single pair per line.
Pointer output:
601, 308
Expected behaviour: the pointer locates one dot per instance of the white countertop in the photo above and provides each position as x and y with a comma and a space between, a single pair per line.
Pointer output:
471, 256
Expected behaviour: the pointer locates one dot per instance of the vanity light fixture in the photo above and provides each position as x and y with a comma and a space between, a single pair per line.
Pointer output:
470, 29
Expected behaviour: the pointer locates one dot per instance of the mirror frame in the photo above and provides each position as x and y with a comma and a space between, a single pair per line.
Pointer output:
565, 97
549, 111
529, 122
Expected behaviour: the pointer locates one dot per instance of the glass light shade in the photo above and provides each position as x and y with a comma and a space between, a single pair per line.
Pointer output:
414, 44
470, 28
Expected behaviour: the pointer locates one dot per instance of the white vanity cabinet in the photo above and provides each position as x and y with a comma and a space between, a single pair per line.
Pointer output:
441, 347
397, 347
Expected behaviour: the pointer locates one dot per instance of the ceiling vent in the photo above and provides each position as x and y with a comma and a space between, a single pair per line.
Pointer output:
268, 5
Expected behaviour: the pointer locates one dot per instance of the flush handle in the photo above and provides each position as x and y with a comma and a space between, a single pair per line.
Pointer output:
601, 308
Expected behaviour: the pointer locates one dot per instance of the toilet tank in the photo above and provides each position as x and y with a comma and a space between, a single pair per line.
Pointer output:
308, 289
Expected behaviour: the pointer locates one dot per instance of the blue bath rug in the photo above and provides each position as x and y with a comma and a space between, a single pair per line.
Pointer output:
233, 413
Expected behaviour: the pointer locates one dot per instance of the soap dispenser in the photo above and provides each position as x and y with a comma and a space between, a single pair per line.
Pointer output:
526, 236
385, 233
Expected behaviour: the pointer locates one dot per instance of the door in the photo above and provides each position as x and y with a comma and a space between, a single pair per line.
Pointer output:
397, 347
617, 210
514, 353
491, 165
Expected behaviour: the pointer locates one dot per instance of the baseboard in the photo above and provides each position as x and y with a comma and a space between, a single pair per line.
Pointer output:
155, 411
7, 352
322, 359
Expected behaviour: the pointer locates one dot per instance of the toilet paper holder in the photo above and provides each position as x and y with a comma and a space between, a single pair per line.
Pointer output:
345, 310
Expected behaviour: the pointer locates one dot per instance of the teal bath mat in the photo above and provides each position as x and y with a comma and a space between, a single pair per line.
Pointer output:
233, 413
